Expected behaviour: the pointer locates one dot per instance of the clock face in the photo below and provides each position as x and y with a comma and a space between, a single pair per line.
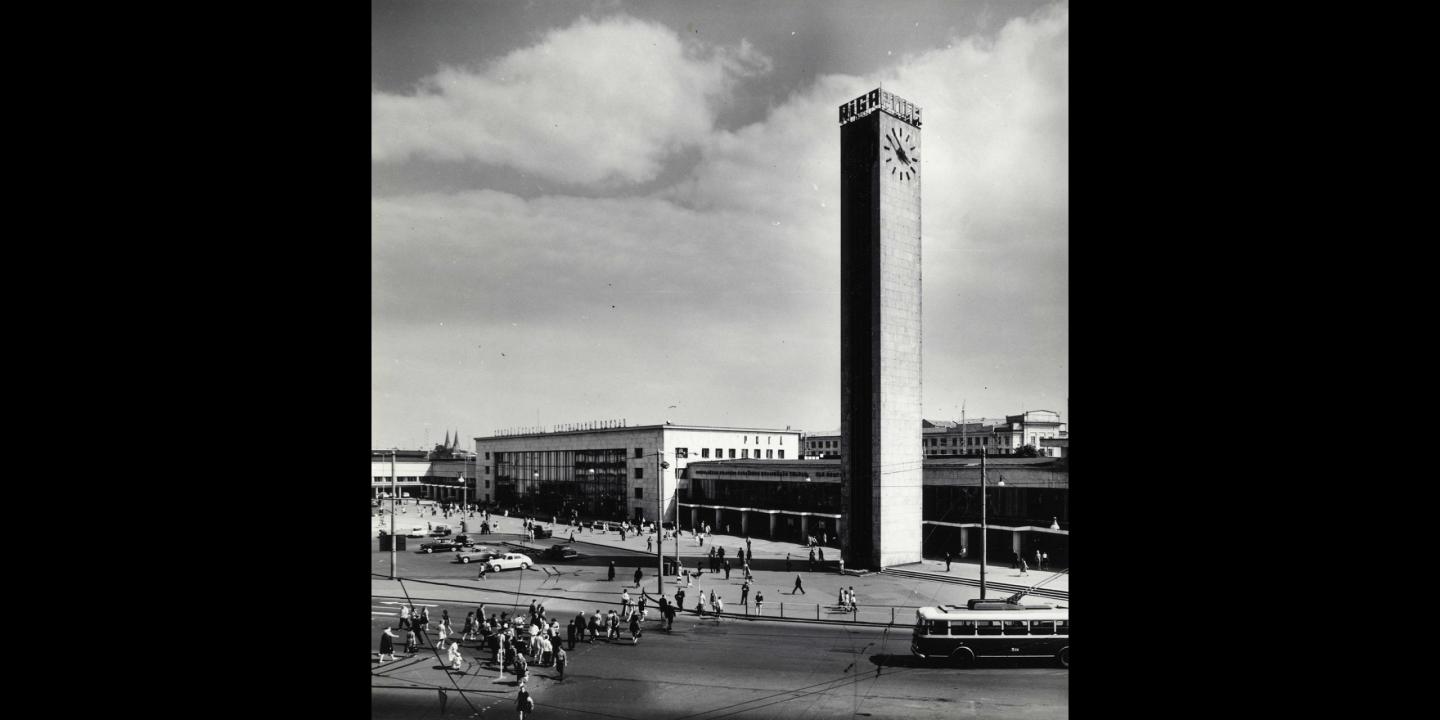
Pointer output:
900, 155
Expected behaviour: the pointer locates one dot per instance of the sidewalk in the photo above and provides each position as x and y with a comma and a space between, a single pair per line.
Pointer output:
585, 587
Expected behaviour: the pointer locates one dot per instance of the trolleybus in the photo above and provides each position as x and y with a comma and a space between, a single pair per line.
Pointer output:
992, 628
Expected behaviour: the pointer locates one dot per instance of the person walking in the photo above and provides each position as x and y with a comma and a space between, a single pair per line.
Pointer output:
638, 575
522, 667
404, 617
444, 631
745, 593
717, 604
727, 570
1024, 569
570, 634
787, 562
759, 600
748, 551
679, 600
612, 570
854, 604
387, 645
947, 561
634, 628
668, 611
822, 555
561, 657
594, 627
524, 703
456, 660
624, 601
798, 586
649, 543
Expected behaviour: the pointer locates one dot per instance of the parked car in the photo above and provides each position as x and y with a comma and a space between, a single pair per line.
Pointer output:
416, 531
507, 561
441, 530
560, 552
479, 553
543, 531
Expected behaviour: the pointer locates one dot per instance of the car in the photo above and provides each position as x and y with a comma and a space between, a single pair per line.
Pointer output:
445, 545
441, 531
479, 553
543, 531
507, 561
416, 531
560, 552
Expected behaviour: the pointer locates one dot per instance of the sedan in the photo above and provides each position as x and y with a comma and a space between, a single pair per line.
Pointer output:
479, 553
560, 552
443, 545
508, 561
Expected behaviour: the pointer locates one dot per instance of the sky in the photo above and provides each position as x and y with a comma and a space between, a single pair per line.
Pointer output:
591, 211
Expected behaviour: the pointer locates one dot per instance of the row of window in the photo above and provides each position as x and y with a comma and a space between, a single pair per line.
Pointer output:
997, 627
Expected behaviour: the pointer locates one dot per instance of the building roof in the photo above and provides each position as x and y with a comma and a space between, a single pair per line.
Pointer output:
632, 428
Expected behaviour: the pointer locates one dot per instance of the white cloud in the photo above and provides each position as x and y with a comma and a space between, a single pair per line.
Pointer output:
598, 101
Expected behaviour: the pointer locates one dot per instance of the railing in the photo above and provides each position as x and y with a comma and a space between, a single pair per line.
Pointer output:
872, 614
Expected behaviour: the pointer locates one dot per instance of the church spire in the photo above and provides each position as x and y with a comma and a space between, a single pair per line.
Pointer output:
447, 439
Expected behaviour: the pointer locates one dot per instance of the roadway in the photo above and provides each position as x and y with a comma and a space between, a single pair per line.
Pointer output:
705, 669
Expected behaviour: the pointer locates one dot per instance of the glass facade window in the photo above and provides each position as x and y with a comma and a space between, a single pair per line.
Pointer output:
591, 482
769, 453
704, 452
732, 453
782, 454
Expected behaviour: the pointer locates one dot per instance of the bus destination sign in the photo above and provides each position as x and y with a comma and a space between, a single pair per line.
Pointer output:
878, 99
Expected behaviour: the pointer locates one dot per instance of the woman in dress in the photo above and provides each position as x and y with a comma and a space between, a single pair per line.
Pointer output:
523, 702
634, 627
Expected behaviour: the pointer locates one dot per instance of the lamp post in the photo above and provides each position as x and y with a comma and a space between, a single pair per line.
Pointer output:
984, 528
660, 466
394, 495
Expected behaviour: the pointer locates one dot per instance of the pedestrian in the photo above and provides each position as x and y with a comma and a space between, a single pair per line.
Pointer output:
457, 661
748, 551
624, 600
404, 617
787, 562
444, 630
644, 614
1044, 558
387, 645
700, 606
812, 558
739, 555
612, 625
822, 555
1024, 570
842, 564
412, 641
547, 650
523, 702
947, 561
594, 627
484, 568
634, 628
1054, 523
1038, 564
425, 618
759, 600
680, 600
718, 603
700, 540
561, 657
612, 570
853, 604
522, 668
798, 586
841, 602
649, 543
638, 575
570, 634
745, 593
727, 570
669, 612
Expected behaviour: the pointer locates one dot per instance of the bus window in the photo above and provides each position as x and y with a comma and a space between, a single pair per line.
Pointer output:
1042, 627
1062, 627
938, 627
987, 627
962, 627
1016, 627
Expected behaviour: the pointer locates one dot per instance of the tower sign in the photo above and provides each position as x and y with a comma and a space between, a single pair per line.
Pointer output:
880, 382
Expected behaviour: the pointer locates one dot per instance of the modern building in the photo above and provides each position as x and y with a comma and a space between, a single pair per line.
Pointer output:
797, 499
614, 472
880, 374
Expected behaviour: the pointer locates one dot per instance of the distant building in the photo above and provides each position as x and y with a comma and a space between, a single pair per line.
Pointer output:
945, 438
435, 474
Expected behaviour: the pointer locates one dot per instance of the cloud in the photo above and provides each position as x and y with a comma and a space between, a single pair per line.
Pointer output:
599, 101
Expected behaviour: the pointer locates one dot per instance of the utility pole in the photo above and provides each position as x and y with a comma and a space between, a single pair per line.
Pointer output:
984, 532
394, 497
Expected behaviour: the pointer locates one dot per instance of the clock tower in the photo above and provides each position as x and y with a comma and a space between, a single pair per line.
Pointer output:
880, 393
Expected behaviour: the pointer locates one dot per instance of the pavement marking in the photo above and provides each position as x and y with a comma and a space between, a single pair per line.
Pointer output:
396, 602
